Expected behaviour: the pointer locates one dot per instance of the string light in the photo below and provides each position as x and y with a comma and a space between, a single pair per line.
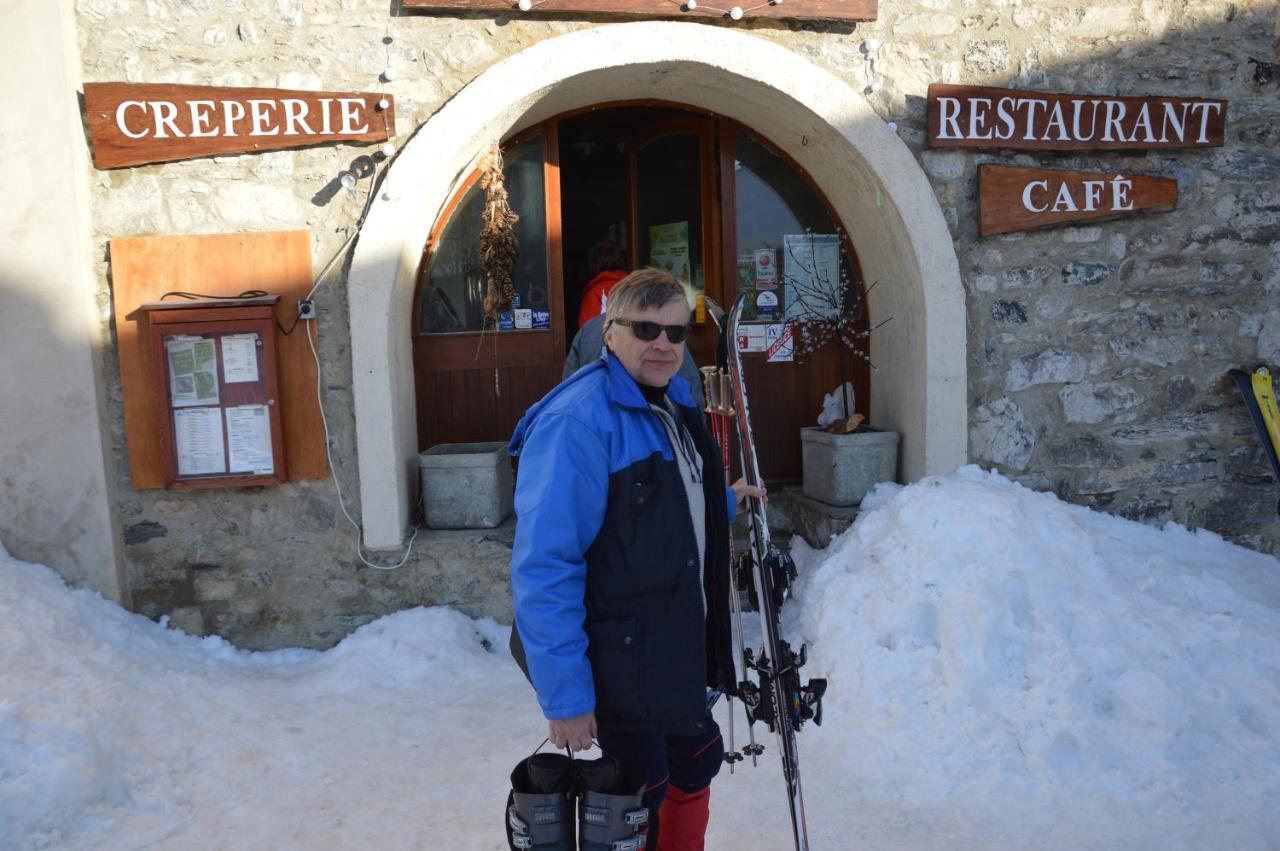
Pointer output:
869, 48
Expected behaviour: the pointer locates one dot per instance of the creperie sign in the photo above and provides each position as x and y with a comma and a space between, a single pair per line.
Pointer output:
973, 116
145, 123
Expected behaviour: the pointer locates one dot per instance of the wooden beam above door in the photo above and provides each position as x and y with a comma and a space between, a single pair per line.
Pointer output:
791, 10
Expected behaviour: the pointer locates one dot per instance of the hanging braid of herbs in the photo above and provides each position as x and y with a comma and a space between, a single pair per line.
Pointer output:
497, 247
497, 238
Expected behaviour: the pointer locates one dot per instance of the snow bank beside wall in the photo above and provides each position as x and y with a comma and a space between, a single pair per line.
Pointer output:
1047, 675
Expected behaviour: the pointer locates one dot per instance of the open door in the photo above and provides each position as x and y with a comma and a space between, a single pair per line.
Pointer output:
671, 170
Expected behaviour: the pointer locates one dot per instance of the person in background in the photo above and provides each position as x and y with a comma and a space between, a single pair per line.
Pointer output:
607, 265
620, 565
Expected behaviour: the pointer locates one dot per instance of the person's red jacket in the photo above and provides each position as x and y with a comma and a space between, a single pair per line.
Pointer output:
596, 293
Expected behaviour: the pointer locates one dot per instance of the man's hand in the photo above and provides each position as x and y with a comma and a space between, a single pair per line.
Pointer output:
742, 490
574, 733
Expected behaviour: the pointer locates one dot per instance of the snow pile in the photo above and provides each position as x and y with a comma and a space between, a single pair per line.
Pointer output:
1007, 671
1013, 670
118, 732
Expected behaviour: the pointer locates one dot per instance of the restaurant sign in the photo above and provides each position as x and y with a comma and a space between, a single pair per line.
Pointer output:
1014, 199
795, 10
133, 124
980, 117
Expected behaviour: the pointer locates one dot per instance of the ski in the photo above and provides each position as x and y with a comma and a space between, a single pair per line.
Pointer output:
1259, 398
777, 698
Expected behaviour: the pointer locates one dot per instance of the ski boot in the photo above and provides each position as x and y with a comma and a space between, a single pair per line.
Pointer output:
540, 806
611, 815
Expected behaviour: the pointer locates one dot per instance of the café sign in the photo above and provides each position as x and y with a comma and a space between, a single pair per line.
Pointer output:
133, 124
980, 117
1014, 199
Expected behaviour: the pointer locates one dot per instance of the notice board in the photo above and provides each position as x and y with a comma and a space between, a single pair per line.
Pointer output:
143, 269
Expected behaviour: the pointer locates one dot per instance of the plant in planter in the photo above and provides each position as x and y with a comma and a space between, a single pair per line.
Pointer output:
843, 460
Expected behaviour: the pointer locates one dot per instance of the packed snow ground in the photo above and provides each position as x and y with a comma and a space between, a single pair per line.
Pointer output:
1007, 671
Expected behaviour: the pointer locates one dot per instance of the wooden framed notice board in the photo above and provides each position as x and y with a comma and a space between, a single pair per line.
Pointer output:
214, 368
179, 350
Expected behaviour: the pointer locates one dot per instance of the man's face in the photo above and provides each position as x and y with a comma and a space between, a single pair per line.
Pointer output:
656, 361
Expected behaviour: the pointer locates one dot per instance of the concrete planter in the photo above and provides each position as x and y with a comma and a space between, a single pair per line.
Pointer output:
839, 469
466, 485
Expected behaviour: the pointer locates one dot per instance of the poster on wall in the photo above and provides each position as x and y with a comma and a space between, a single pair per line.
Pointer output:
197, 433
811, 275
193, 367
669, 251
249, 440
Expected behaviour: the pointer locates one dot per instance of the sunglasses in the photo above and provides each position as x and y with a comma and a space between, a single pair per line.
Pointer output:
649, 331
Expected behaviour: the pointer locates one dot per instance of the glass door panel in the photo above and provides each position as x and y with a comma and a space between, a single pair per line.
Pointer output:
452, 291
668, 208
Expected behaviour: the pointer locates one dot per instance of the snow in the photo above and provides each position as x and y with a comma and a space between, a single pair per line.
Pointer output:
1006, 670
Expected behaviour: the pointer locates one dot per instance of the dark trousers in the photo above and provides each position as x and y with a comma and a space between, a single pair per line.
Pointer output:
686, 762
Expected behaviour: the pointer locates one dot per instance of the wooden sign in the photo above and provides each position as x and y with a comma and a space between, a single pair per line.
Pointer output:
793, 10
976, 117
1012, 199
133, 124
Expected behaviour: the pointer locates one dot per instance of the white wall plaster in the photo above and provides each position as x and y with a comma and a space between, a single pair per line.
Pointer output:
879, 192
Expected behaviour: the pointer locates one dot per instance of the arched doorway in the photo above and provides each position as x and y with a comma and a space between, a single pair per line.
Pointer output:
872, 181
633, 185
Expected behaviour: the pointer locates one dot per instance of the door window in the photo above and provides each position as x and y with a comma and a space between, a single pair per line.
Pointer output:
452, 289
669, 209
792, 260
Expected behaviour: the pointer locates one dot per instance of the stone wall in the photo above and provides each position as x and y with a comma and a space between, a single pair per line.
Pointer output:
1097, 354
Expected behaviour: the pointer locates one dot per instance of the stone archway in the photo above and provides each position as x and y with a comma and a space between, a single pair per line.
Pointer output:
871, 179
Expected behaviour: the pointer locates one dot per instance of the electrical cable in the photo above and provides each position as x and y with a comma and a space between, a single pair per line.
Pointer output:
333, 471
246, 294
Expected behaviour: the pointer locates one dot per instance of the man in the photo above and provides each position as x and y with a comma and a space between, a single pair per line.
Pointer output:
620, 569
588, 345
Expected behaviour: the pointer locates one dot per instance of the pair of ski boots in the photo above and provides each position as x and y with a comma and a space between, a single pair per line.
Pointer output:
546, 787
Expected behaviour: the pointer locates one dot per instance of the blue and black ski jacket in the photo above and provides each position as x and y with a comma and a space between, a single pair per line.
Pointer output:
604, 570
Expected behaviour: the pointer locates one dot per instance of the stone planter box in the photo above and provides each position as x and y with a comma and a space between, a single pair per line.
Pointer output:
466, 485
839, 469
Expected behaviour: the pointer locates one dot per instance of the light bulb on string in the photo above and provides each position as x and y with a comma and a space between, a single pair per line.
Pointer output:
736, 13
347, 179
691, 5
525, 5
389, 74
387, 149
383, 103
